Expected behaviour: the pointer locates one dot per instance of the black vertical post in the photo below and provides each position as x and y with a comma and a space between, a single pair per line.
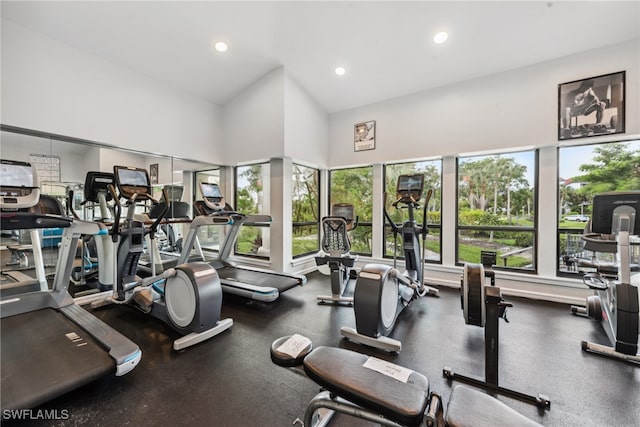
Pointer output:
491, 342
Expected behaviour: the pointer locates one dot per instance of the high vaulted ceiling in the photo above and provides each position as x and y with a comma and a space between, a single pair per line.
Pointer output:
386, 47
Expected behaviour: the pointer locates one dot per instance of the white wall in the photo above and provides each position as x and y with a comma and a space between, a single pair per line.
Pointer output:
254, 121
511, 109
110, 158
73, 160
52, 87
306, 125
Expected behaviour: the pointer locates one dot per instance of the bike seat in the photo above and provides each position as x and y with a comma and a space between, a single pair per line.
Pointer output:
342, 373
473, 408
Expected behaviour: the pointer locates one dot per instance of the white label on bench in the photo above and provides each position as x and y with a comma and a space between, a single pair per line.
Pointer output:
294, 346
389, 369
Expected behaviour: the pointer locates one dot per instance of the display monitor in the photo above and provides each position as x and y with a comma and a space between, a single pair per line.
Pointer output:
133, 177
410, 186
608, 207
18, 185
211, 191
16, 174
132, 181
174, 192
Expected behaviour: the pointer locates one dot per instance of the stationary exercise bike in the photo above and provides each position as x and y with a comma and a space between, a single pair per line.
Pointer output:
382, 292
483, 306
336, 260
188, 297
615, 302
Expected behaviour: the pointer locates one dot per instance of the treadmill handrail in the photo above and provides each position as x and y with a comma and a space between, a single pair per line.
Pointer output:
257, 220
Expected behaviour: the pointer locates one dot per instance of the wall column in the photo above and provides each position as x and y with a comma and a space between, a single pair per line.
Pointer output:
281, 212
448, 221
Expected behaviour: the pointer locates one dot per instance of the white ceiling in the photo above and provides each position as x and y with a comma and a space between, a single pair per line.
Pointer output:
385, 46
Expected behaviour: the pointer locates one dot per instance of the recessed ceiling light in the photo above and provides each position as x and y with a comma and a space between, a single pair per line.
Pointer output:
341, 71
440, 37
221, 46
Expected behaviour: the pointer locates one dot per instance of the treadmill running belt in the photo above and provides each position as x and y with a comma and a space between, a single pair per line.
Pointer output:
43, 355
256, 278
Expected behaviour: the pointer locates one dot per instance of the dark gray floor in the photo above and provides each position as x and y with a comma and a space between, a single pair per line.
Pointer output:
230, 380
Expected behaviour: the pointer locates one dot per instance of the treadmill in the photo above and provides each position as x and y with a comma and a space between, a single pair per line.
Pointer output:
254, 283
49, 345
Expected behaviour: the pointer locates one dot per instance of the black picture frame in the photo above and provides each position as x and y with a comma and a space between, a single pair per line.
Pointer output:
153, 173
364, 136
594, 106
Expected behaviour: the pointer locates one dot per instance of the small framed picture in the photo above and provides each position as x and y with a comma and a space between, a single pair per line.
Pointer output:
364, 136
591, 107
153, 173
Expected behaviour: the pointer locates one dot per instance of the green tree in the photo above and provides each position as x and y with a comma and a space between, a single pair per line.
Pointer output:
355, 186
250, 195
305, 194
476, 180
615, 167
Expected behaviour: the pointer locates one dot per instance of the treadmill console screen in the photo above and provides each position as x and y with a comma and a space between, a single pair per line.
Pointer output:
210, 190
410, 186
212, 196
174, 192
16, 174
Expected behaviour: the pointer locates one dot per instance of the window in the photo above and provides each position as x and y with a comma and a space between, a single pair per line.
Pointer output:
432, 171
583, 172
305, 199
496, 209
355, 186
252, 197
210, 237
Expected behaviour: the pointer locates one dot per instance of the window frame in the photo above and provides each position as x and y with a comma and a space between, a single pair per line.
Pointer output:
437, 226
560, 231
235, 198
368, 224
534, 229
316, 223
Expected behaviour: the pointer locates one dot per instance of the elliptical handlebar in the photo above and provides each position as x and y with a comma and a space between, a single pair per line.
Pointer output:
117, 210
163, 213
425, 228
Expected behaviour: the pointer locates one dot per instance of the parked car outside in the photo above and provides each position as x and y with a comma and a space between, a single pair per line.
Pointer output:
577, 218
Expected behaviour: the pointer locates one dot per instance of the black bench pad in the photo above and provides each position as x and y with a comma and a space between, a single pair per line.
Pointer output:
473, 408
341, 372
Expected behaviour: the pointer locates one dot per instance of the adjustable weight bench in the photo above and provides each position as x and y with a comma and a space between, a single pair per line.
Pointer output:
375, 390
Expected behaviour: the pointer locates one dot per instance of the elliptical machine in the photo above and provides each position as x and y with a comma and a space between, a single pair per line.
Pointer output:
336, 260
97, 251
188, 297
615, 302
382, 292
